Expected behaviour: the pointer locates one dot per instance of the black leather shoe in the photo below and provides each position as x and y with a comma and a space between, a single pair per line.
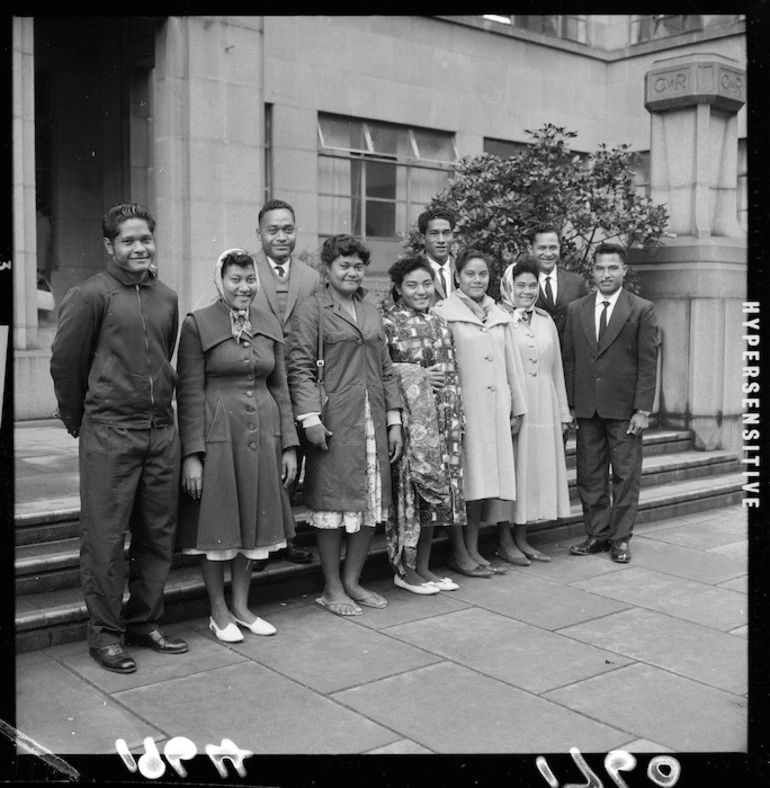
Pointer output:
113, 657
590, 546
297, 555
157, 640
620, 552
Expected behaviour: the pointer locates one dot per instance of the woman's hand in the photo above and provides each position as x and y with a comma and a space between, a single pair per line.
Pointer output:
395, 443
516, 424
192, 476
317, 435
565, 425
288, 466
436, 376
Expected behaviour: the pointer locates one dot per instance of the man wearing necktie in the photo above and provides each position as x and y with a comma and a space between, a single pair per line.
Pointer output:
558, 288
610, 368
285, 283
437, 226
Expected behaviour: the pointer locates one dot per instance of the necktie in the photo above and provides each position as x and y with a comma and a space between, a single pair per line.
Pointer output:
549, 292
279, 270
603, 320
442, 277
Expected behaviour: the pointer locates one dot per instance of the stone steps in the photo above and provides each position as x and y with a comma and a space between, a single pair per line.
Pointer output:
49, 607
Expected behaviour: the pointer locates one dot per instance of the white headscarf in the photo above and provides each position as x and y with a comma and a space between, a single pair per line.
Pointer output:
506, 295
239, 318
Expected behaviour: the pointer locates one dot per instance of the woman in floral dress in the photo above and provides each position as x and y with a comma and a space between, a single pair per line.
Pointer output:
427, 482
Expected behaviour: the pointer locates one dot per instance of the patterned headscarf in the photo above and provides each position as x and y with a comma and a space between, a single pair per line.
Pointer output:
239, 318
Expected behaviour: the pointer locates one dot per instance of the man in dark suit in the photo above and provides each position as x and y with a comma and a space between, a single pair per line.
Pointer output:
558, 288
437, 226
610, 367
285, 283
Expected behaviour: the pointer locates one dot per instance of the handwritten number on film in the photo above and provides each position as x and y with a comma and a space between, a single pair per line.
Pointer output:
663, 770
179, 749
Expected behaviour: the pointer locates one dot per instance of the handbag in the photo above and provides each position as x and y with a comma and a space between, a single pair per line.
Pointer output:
320, 362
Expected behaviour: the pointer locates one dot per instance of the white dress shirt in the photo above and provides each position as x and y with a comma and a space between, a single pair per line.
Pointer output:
450, 285
275, 265
599, 307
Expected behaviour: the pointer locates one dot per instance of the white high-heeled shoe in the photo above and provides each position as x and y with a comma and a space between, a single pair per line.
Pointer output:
259, 627
229, 634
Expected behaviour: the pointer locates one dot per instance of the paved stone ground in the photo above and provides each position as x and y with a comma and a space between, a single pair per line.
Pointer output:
649, 657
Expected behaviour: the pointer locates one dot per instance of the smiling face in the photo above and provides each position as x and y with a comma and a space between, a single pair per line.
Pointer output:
608, 273
133, 248
473, 280
438, 239
239, 283
278, 234
346, 274
545, 250
525, 290
416, 289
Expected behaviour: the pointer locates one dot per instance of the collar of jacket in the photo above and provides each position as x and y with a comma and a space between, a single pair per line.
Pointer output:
131, 278
214, 324
452, 309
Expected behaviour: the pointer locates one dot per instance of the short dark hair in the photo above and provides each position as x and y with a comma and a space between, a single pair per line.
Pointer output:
405, 266
437, 212
118, 214
470, 254
606, 248
237, 258
541, 229
525, 266
274, 205
343, 246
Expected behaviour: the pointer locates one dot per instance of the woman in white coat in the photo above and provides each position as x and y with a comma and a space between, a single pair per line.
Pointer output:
492, 386
541, 470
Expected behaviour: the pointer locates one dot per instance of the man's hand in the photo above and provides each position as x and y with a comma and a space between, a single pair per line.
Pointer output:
395, 443
639, 422
516, 424
573, 425
288, 466
317, 435
192, 476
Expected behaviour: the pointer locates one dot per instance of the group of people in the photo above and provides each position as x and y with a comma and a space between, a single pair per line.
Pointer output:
448, 409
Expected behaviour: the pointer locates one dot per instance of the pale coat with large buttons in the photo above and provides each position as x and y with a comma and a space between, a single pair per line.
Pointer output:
492, 384
234, 410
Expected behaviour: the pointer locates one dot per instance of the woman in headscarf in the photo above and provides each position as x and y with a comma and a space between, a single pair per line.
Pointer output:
238, 442
492, 386
541, 472
428, 480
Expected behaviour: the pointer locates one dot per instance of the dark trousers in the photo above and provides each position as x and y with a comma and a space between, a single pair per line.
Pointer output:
601, 443
129, 478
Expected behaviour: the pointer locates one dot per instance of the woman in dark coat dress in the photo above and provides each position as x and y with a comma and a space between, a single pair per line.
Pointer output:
238, 441
357, 435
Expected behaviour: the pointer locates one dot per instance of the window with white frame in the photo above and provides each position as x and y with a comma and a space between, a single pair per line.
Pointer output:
374, 177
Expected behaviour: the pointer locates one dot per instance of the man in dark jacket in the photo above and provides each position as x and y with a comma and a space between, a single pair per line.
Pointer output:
114, 383
610, 369
558, 288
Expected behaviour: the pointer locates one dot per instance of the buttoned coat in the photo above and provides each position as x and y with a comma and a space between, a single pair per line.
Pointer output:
303, 282
492, 386
234, 410
617, 376
569, 287
357, 363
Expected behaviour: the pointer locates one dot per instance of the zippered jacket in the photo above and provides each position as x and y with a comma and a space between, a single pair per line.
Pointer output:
111, 355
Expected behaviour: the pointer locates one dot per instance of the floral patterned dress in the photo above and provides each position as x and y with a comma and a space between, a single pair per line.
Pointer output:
428, 481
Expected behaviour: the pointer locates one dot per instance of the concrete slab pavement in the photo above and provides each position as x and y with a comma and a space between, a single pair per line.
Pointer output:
580, 652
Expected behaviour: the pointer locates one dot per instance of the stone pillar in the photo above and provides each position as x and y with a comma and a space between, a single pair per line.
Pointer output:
698, 279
